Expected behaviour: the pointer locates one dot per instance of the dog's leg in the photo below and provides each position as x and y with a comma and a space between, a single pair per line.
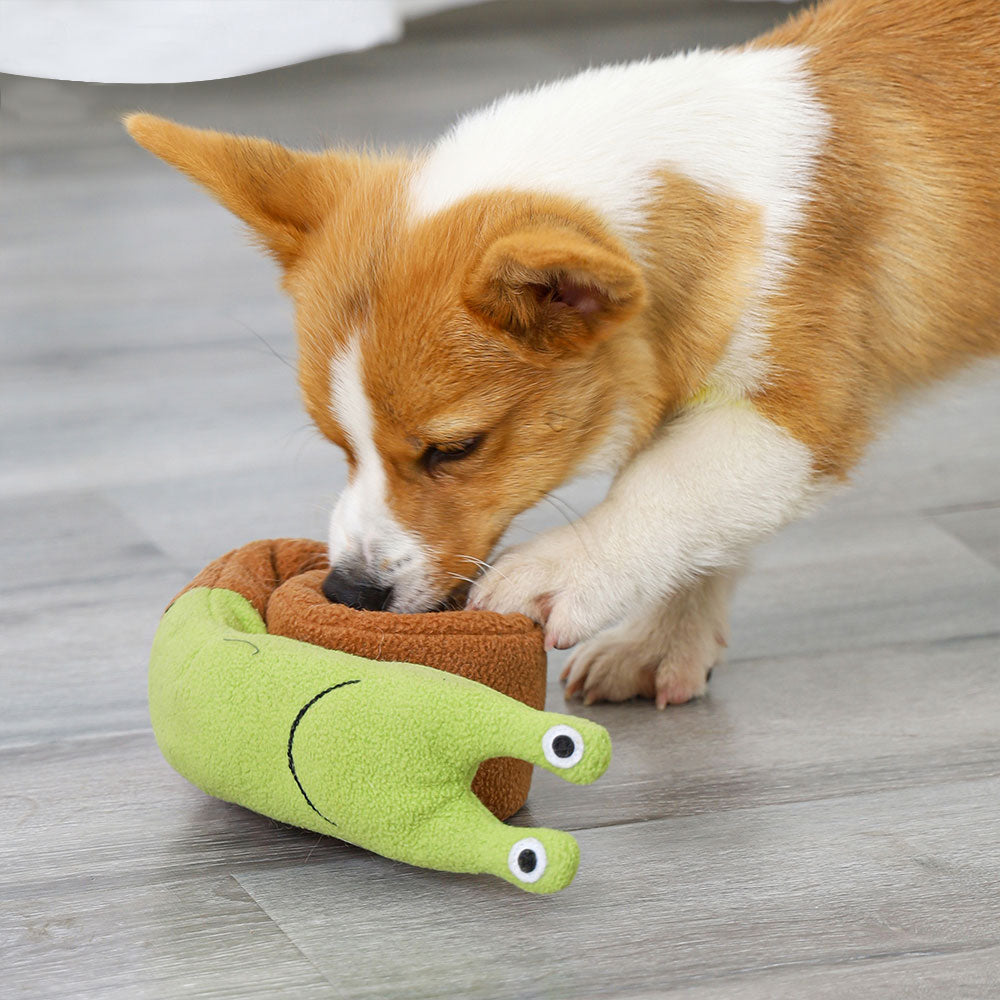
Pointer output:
713, 484
666, 653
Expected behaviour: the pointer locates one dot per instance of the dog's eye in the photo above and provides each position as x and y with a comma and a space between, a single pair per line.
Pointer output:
436, 455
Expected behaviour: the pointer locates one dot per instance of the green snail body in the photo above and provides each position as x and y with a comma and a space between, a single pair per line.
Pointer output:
381, 755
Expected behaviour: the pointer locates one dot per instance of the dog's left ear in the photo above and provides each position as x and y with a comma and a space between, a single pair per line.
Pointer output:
280, 193
554, 288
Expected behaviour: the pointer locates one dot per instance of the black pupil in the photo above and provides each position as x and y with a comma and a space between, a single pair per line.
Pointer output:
563, 745
527, 860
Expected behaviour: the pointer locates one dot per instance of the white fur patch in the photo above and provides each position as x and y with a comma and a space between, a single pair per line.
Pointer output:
612, 451
364, 534
741, 122
716, 482
719, 480
678, 642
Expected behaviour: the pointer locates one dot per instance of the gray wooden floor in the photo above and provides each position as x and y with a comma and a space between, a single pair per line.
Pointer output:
825, 823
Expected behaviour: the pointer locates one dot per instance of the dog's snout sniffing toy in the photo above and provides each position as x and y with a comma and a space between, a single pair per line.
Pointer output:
382, 755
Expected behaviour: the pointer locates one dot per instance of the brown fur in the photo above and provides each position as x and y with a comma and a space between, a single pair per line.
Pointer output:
703, 247
435, 312
895, 281
521, 316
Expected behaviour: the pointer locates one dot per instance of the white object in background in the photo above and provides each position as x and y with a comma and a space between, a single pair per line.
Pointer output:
178, 41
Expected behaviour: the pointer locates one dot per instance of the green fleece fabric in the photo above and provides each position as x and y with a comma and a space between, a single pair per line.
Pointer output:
381, 755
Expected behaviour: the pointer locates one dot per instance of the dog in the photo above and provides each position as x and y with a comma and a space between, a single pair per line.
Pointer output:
711, 275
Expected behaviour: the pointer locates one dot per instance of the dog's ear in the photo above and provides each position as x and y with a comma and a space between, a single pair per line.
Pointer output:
280, 193
554, 288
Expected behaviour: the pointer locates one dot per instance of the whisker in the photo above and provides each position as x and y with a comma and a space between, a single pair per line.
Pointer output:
575, 523
307, 436
484, 566
478, 562
556, 498
280, 357
550, 500
525, 530
319, 562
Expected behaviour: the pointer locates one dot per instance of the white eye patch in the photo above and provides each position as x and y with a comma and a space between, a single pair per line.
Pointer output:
562, 746
527, 859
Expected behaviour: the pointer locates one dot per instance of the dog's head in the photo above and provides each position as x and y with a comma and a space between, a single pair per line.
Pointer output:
461, 360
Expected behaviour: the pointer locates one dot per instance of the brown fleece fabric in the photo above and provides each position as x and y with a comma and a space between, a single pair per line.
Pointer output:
282, 579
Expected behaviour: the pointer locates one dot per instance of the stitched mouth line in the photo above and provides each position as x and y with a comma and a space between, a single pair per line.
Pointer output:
291, 740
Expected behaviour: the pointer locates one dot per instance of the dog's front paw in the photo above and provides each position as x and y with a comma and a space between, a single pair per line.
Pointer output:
666, 655
610, 667
551, 581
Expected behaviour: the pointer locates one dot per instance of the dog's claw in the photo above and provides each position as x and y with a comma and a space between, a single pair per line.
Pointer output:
553, 641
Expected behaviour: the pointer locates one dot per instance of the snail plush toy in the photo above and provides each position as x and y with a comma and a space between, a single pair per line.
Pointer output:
413, 761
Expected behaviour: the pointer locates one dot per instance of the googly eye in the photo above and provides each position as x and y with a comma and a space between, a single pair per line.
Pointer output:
563, 746
527, 860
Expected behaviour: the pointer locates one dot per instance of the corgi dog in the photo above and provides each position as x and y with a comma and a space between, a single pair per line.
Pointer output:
710, 275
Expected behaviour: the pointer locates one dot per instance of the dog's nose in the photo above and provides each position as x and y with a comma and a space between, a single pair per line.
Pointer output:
341, 587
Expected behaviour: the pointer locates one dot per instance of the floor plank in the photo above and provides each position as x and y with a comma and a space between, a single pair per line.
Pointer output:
771, 732
969, 973
171, 940
977, 527
834, 881
841, 583
822, 824
82, 591
108, 813
794, 728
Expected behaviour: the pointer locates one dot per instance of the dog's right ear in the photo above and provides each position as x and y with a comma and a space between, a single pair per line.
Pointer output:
554, 288
280, 193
